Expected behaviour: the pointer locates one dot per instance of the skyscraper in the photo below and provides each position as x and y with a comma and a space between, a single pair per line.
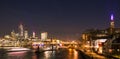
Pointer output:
33, 35
44, 36
21, 33
26, 34
112, 25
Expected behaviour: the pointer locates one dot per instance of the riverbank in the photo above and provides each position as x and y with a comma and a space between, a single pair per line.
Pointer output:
90, 54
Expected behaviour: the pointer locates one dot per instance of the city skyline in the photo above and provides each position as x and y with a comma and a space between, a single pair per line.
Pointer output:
61, 19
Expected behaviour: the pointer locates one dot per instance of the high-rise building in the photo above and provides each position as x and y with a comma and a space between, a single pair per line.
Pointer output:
44, 36
112, 25
112, 21
33, 35
21, 33
26, 34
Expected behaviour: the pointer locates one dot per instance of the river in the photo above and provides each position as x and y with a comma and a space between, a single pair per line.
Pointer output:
59, 54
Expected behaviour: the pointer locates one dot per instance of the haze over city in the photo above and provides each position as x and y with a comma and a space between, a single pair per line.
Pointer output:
63, 19
59, 29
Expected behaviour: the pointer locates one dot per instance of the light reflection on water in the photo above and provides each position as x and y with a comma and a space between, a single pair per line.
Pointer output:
45, 55
62, 54
73, 54
18, 55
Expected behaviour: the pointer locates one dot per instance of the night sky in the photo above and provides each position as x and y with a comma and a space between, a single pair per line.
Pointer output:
63, 19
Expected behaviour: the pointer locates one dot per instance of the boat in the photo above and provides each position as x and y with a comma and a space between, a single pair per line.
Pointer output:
13, 49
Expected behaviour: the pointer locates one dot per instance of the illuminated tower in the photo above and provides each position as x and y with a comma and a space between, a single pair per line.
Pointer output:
26, 34
33, 35
21, 30
112, 25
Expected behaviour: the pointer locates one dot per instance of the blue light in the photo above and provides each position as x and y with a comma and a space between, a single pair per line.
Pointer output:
112, 17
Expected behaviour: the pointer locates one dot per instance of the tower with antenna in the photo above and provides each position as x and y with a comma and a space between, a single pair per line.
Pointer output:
112, 25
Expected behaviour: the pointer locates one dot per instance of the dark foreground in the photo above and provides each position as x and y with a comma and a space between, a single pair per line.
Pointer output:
59, 54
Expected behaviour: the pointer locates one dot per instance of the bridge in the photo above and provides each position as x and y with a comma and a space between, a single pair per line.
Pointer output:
55, 44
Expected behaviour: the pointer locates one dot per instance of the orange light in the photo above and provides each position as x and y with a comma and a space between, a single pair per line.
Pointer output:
110, 50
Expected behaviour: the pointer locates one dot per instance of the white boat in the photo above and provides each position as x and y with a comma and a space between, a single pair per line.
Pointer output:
12, 49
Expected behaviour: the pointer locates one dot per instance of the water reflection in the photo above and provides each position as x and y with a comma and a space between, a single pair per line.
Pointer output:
44, 55
73, 54
60, 54
3, 54
18, 55
49, 54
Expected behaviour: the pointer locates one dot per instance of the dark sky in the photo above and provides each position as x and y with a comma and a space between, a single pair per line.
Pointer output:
60, 18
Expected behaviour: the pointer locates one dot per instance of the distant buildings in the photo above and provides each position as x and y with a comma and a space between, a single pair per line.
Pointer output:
96, 37
21, 30
21, 37
13, 35
44, 36
26, 34
98, 33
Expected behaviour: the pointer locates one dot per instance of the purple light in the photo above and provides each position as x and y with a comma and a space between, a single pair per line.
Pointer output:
112, 17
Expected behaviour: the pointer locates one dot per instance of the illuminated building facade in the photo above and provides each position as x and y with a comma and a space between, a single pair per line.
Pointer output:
33, 34
44, 36
21, 30
13, 35
26, 34
98, 37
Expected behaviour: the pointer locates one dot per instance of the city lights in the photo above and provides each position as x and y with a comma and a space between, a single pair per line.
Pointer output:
60, 29
112, 17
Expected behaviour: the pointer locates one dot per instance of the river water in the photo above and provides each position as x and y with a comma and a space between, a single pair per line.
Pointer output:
59, 54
